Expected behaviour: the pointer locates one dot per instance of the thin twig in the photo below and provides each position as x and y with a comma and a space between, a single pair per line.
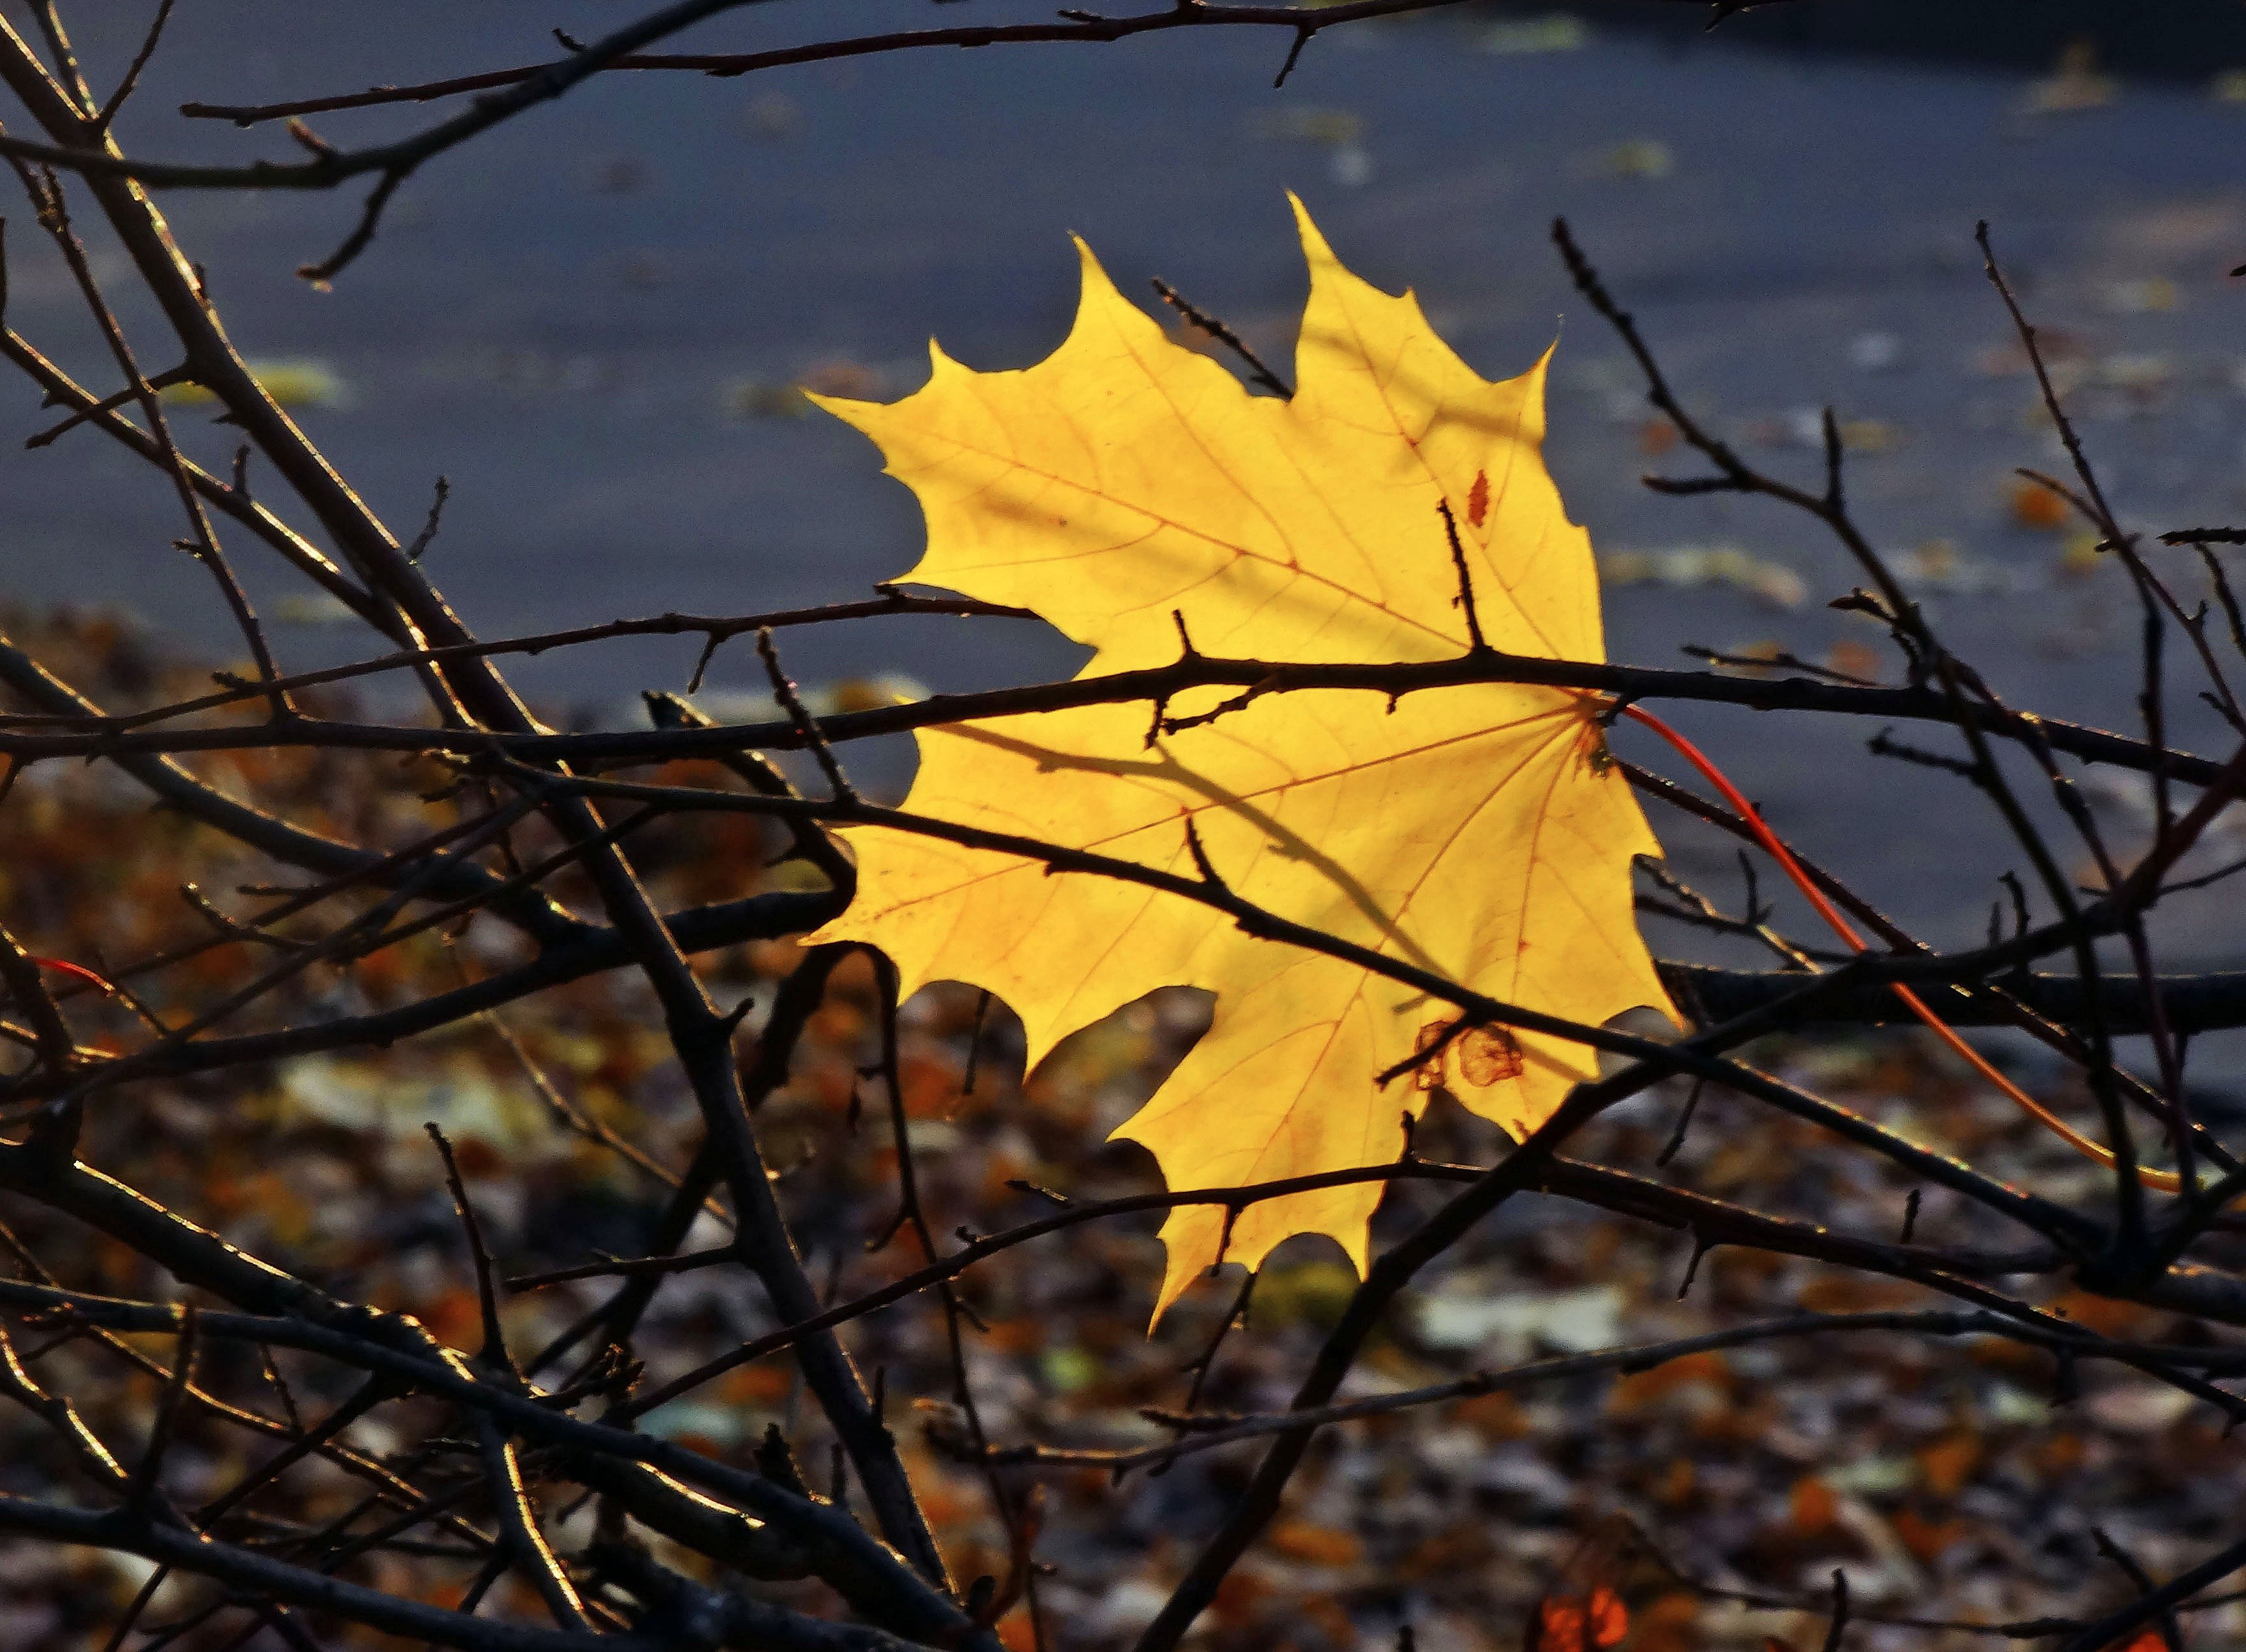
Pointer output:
100, 123
494, 1352
1257, 371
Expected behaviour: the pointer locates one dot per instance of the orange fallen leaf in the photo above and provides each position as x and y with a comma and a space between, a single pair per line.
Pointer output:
1643, 1389
2037, 507
1949, 1463
453, 1317
1316, 1545
1927, 1539
1812, 1506
1590, 1623
765, 1384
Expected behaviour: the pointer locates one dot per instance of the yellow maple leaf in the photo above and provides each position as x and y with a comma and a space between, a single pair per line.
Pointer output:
1474, 831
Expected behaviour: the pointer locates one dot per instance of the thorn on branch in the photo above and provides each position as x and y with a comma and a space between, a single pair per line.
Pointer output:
711, 643
2012, 882
322, 274
421, 540
1202, 865
279, 1386
2052, 485
1224, 1238
1477, 643
1159, 724
1757, 913
1684, 1124
2224, 595
1860, 600
1185, 648
807, 726
775, 1460
1303, 33
891, 1229
1882, 745
183, 374
975, 1041
1203, 1362
1783, 659
1840, 1624
1685, 487
233, 929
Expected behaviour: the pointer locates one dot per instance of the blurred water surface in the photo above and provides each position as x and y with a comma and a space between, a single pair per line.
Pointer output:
584, 319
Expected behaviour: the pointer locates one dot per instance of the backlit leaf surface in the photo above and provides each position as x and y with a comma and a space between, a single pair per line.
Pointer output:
1476, 831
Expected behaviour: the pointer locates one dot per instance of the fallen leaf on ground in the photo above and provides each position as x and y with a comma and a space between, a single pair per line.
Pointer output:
2037, 507
289, 382
1527, 37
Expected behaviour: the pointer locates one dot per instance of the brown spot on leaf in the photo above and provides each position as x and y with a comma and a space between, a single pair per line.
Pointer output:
1429, 1073
1487, 1055
1478, 500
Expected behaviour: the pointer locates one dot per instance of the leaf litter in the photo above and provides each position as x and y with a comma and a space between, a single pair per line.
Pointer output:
1943, 1481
